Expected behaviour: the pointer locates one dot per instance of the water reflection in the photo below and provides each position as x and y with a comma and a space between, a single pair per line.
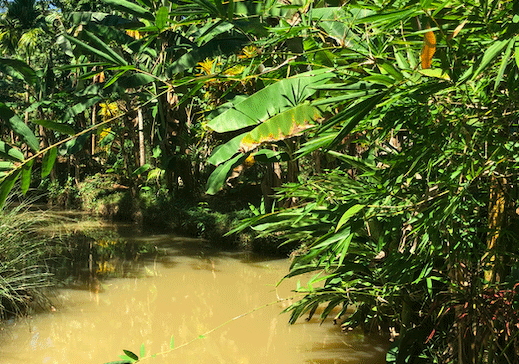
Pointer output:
188, 290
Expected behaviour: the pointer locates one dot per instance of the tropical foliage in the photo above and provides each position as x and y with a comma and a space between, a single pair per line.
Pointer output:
393, 126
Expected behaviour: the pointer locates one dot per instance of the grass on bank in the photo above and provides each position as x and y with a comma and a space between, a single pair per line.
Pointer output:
25, 276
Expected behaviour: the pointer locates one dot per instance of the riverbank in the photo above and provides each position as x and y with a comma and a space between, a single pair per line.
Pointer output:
154, 208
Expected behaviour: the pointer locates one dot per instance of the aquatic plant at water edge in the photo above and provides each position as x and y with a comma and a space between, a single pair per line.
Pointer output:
24, 256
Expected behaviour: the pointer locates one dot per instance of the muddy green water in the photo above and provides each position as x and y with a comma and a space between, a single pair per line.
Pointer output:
185, 293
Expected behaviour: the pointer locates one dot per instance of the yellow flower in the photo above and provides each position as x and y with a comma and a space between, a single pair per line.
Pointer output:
108, 110
249, 52
134, 34
249, 161
102, 132
207, 66
233, 71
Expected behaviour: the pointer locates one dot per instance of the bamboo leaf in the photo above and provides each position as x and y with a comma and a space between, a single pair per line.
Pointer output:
131, 355
48, 162
142, 351
172, 342
26, 176
217, 179
503, 65
352, 211
490, 54
282, 126
345, 246
11, 153
6, 185
59, 127
435, 72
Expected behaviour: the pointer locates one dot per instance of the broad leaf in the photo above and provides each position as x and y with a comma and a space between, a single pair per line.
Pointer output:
59, 127
225, 151
269, 101
29, 75
284, 125
19, 127
161, 19
219, 176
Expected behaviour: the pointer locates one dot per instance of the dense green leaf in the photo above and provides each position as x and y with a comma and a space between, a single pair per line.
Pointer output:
217, 179
161, 18
491, 54
352, 211
26, 176
10, 153
6, 185
48, 162
52, 125
23, 68
19, 127
130, 8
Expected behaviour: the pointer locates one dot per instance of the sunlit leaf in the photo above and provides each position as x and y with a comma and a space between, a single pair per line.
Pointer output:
161, 19
283, 125
269, 101
491, 54
352, 211
504, 63
141, 170
435, 72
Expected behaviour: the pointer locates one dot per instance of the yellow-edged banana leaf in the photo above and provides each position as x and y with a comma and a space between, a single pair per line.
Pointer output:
282, 126
270, 101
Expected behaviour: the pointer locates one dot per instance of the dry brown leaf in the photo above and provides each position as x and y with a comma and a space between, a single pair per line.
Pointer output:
429, 47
